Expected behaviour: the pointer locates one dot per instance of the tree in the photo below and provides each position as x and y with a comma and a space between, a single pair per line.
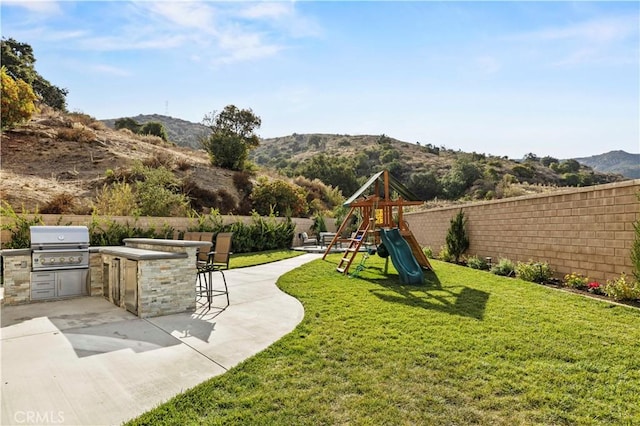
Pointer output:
425, 185
17, 100
233, 135
154, 128
280, 197
335, 171
19, 60
128, 123
567, 166
547, 161
457, 239
460, 178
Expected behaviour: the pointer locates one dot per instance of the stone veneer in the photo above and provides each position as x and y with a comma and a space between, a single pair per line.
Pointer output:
17, 276
166, 286
166, 274
95, 273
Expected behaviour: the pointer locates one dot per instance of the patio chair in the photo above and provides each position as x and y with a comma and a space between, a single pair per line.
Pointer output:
217, 261
307, 241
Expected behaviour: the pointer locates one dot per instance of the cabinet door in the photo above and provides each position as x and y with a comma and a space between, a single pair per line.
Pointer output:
130, 275
72, 282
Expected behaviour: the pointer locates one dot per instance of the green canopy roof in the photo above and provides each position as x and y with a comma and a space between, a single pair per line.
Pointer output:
394, 184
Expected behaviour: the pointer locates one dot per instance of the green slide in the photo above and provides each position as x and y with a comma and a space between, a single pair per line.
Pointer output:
402, 257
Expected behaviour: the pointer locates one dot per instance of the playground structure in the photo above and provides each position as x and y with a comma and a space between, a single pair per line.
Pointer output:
374, 215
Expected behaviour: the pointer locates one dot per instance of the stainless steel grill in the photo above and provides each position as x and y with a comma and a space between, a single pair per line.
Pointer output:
59, 261
59, 247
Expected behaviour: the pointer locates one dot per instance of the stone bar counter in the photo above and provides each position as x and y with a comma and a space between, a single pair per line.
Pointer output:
149, 277
16, 273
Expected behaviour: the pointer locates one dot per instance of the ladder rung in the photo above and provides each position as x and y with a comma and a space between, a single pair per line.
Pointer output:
341, 270
346, 259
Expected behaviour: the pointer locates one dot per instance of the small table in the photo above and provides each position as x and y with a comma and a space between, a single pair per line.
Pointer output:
326, 238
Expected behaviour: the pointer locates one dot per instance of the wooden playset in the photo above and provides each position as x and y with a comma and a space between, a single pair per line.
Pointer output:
372, 209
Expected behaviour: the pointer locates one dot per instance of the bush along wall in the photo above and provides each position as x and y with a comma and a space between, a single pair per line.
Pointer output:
260, 234
257, 234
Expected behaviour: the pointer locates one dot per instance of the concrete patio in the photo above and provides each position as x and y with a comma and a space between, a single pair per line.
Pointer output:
85, 361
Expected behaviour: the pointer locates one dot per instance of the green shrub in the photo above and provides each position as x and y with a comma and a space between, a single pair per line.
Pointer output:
622, 288
428, 252
261, 234
157, 193
536, 272
154, 128
476, 262
576, 281
445, 256
595, 287
18, 226
116, 200
504, 267
279, 195
319, 224
107, 232
457, 239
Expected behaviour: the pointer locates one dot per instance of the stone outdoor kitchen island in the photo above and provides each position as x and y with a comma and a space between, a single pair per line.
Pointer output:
148, 277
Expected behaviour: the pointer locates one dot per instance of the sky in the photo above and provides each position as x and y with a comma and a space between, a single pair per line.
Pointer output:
500, 78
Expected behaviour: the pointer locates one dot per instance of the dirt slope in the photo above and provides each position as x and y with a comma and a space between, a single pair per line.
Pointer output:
57, 154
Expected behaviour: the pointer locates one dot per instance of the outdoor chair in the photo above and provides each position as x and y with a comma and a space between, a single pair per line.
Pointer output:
216, 261
307, 241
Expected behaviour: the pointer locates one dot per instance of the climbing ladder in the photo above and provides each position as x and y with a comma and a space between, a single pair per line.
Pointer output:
354, 246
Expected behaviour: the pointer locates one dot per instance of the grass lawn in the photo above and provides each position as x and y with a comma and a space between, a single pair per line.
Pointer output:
468, 347
242, 260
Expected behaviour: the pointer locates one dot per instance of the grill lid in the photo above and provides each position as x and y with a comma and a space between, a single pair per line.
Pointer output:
59, 236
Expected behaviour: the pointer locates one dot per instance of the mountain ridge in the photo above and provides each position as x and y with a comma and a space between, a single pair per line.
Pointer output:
188, 134
617, 161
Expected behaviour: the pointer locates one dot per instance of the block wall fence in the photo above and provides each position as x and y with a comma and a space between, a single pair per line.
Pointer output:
584, 230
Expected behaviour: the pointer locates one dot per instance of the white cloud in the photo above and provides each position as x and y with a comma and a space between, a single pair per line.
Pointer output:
109, 70
66, 35
44, 7
185, 14
239, 46
268, 10
603, 40
124, 42
602, 30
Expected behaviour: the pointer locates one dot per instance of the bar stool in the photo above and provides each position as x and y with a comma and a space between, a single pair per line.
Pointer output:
217, 261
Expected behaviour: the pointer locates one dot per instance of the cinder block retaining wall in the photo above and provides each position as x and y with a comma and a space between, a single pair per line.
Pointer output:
584, 230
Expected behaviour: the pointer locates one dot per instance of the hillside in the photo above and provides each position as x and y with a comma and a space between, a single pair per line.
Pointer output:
181, 132
620, 162
280, 153
419, 166
61, 162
